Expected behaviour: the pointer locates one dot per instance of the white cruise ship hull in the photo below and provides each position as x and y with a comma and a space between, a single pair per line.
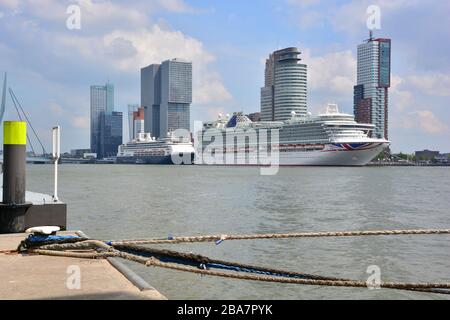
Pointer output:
336, 154
332, 157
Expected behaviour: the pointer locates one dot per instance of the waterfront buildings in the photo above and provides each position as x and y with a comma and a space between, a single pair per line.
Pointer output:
371, 99
285, 88
135, 121
426, 155
79, 153
110, 134
106, 124
166, 95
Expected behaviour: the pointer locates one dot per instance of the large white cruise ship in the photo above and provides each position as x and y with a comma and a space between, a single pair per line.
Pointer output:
329, 139
148, 150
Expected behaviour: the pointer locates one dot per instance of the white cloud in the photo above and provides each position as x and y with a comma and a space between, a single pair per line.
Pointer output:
128, 51
400, 99
334, 72
437, 84
176, 6
121, 38
56, 108
81, 122
10, 4
352, 17
303, 3
424, 120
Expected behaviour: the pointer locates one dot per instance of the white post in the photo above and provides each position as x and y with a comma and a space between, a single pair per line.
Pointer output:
56, 155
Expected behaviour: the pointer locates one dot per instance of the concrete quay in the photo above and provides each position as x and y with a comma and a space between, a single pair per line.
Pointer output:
30, 277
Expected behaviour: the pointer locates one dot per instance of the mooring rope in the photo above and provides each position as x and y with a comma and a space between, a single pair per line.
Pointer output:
272, 275
223, 237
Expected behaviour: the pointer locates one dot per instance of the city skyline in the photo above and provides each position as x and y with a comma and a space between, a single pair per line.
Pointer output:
228, 46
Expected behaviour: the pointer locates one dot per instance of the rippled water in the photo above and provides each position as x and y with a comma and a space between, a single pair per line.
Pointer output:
116, 202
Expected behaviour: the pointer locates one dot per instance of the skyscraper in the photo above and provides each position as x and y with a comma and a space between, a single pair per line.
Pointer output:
373, 81
110, 136
166, 95
102, 100
106, 124
285, 87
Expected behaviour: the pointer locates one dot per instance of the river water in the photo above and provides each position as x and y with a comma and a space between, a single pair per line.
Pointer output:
132, 201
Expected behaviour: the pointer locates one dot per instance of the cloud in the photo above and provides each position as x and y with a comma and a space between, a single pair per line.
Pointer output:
400, 99
81, 122
177, 6
334, 72
436, 84
351, 17
128, 51
303, 3
424, 120
56, 109
133, 43
10, 4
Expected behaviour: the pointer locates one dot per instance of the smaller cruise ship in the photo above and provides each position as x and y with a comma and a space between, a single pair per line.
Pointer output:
145, 149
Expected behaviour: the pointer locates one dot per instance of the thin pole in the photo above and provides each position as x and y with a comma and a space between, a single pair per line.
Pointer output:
56, 155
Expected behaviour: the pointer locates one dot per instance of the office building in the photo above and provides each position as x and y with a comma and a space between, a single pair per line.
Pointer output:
426, 155
102, 100
110, 134
371, 98
166, 95
285, 86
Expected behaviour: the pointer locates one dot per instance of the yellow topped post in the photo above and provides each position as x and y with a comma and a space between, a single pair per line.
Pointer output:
14, 162
15, 132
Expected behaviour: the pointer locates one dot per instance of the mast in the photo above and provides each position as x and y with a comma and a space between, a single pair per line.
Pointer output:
2, 108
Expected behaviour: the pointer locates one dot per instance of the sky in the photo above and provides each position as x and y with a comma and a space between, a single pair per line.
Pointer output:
51, 67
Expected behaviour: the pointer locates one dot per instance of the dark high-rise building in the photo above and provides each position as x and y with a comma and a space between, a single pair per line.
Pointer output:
106, 124
102, 100
110, 136
166, 95
374, 78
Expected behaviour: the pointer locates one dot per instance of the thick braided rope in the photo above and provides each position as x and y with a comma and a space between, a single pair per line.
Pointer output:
212, 238
333, 283
156, 263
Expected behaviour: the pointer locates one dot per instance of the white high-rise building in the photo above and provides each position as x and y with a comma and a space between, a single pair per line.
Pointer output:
285, 86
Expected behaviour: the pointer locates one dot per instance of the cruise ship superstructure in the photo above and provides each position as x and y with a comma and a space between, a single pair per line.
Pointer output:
328, 139
145, 149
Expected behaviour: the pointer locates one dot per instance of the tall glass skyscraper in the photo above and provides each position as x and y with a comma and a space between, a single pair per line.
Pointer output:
373, 81
285, 86
102, 100
106, 125
110, 137
166, 95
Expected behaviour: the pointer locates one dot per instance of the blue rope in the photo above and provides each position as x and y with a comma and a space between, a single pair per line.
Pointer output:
251, 270
44, 238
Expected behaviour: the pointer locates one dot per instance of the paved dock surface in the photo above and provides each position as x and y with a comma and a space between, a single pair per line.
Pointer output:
43, 277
